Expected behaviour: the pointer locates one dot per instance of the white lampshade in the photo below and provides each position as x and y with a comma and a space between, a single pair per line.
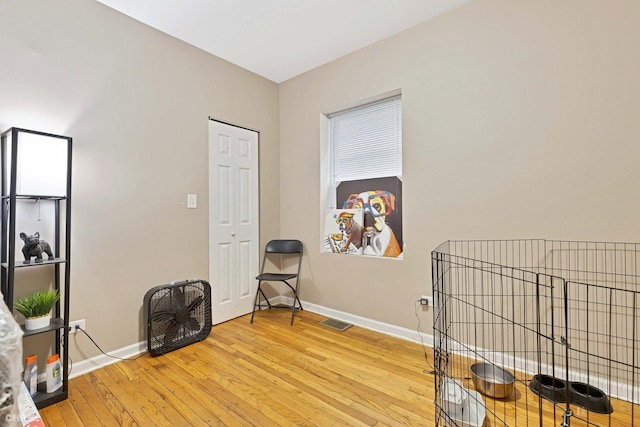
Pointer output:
41, 164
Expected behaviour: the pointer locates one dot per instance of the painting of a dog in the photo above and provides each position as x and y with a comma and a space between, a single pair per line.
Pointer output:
380, 201
351, 229
378, 238
343, 231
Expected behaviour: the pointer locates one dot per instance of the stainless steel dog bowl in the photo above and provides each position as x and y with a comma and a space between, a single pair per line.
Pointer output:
491, 380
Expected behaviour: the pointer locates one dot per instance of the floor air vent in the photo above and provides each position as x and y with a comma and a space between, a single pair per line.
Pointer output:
336, 324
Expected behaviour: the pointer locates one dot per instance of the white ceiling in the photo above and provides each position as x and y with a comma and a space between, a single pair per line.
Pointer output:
279, 39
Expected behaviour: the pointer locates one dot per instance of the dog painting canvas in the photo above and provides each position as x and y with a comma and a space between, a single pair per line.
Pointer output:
380, 200
343, 231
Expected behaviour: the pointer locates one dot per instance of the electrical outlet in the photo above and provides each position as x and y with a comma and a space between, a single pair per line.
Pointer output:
192, 201
426, 300
72, 325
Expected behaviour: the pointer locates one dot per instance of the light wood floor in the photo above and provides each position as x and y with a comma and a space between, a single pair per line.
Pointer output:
263, 374
271, 374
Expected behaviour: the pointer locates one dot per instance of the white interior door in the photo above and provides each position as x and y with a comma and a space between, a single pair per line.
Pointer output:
233, 219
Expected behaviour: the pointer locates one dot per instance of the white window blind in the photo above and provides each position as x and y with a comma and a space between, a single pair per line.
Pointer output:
366, 141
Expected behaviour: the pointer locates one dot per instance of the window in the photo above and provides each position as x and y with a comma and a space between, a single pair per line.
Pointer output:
365, 162
366, 141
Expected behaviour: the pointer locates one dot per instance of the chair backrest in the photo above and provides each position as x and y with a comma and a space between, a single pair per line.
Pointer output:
284, 247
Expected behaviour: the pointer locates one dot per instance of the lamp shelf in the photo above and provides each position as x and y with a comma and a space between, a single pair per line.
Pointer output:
36, 186
36, 264
35, 197
43, 398
56, 323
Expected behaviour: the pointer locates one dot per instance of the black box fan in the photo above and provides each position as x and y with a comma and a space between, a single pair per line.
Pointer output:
176, 315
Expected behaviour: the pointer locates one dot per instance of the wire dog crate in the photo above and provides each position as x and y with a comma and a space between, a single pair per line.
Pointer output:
551, 329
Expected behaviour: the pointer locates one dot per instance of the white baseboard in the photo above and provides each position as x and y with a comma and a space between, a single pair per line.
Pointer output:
88, 365
374, 325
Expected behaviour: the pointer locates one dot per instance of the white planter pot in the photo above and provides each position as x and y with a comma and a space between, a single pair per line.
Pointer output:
37, 322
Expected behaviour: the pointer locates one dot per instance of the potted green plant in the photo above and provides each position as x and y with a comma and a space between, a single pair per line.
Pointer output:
36, 308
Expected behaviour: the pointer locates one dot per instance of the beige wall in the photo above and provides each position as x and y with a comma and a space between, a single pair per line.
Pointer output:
520, 120
136, 102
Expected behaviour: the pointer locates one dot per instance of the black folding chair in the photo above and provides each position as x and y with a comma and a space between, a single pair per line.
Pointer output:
281, 249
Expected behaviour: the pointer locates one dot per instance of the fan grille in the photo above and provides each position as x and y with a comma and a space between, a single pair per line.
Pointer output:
177, 315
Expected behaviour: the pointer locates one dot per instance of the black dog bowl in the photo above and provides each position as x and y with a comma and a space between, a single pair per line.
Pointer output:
589, 397
549, 387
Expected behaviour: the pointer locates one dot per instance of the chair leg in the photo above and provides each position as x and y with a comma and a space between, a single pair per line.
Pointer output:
295, 299
293, 311
299, 302
265, 299
256, 301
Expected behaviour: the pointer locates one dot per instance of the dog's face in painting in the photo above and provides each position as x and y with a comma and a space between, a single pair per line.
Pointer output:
377, 205
345, 222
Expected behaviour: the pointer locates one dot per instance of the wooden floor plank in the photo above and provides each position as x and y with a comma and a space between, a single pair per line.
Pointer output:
87, 403
188, 390
63, 415
261, 385
136, 400
107, 396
